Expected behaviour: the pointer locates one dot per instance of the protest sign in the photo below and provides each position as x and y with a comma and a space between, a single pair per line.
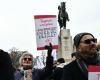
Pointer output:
46, 31
94, 73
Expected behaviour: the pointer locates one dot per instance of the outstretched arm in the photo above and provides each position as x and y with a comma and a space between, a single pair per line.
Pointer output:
43, 74
49, 60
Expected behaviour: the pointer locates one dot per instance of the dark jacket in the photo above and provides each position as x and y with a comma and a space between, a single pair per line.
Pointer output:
72, 71
57, 74
6, 68
43, 74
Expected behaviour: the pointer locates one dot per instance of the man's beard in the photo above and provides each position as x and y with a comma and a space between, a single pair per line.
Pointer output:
90, 58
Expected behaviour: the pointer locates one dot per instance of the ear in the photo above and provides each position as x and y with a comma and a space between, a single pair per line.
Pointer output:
78, 49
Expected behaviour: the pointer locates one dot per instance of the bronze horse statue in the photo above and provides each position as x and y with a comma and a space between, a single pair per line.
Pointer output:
62, 15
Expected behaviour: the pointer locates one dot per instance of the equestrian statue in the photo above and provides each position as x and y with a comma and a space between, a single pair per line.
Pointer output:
62, 15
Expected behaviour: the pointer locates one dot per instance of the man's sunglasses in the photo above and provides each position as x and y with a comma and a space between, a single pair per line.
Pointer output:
29, 59
88, 41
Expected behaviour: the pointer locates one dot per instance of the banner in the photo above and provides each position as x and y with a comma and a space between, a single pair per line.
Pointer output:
46, 31
94, 73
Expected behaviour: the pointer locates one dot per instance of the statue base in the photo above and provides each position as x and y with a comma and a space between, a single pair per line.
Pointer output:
65, 41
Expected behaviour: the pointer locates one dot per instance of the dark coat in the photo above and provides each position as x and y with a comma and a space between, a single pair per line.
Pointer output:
73, 72
43, 74
57, 74
6, 68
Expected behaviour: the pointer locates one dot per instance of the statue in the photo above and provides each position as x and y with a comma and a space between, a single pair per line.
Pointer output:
62, 15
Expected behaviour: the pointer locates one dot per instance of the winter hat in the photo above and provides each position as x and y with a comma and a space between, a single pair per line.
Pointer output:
79, 36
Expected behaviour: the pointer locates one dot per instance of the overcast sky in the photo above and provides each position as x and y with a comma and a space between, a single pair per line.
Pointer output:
17, 27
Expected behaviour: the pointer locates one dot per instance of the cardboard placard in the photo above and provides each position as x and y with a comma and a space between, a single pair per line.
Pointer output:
46, 31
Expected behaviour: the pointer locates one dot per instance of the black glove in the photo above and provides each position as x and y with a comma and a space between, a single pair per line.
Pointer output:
49, 48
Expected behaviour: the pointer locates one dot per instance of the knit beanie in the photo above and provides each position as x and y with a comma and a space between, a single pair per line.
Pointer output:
79, 36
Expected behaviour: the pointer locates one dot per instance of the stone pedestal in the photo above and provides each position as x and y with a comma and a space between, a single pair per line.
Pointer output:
65, 44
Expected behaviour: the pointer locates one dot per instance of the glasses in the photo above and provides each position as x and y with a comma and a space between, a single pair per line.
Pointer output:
29, 59
88, 41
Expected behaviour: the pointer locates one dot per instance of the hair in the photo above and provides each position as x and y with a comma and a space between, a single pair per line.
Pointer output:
61, 60
73, 54
25, 54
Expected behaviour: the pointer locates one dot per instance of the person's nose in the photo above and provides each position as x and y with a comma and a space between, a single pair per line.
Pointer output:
93, 44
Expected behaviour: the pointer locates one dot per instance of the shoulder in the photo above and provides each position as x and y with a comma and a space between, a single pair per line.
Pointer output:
71, 65
4, 55
18, 74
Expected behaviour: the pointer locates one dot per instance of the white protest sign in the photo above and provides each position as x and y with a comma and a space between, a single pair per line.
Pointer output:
94, 73
46, 31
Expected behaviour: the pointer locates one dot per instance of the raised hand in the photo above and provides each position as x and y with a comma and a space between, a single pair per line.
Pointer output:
49, 48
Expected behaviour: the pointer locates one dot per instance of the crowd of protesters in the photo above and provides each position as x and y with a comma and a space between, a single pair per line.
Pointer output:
86, 54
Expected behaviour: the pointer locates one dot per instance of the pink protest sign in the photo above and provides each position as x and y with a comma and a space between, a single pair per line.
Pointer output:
94, 73
46, 31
